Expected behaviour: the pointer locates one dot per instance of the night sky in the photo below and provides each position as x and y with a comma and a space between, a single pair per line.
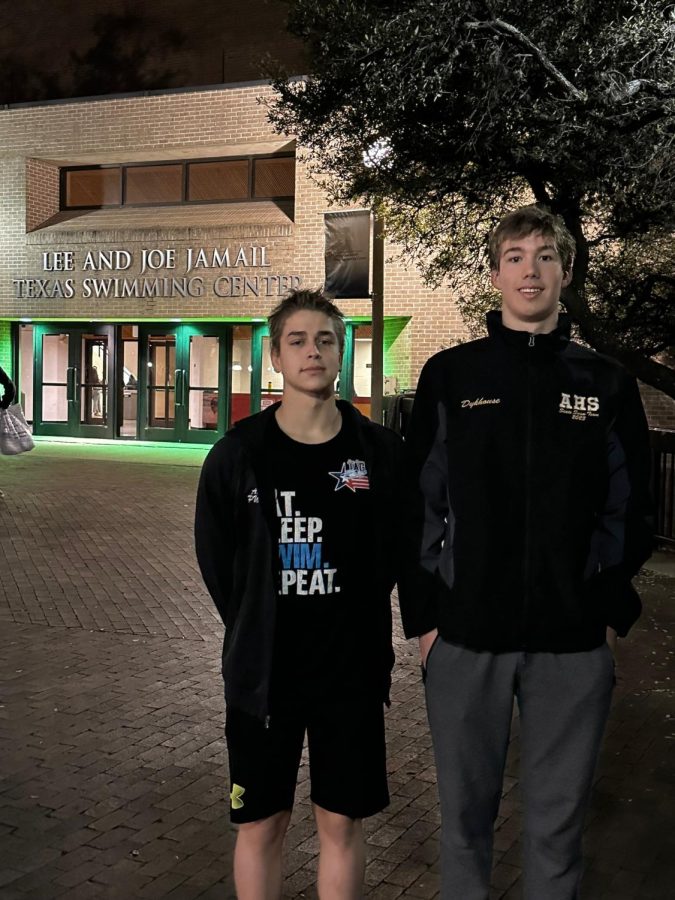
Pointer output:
181, 43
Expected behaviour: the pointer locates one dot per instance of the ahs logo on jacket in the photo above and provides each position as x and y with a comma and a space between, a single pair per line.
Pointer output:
579, 407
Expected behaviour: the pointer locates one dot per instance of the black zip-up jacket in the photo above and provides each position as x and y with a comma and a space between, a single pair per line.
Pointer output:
236, 537
529, 466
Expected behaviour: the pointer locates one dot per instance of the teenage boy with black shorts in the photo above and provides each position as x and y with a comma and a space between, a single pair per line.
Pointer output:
296, 531
531, 455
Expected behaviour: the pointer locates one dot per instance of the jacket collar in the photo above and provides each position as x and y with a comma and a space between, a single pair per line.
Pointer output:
252, 430
253, 433
552, 341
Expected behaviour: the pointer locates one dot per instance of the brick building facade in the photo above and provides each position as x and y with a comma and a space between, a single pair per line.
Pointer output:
146, 319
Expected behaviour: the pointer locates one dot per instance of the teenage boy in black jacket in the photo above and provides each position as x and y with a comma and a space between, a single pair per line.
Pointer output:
296, 531
532, 456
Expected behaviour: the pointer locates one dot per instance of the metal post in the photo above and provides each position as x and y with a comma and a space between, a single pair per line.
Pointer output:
377, 297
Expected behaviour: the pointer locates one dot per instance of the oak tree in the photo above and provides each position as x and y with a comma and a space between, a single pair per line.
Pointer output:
444, 114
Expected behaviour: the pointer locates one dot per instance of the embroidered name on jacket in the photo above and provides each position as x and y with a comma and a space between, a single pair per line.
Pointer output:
579, 407
481, 401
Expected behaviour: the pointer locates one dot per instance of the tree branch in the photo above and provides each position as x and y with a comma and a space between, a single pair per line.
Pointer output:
650, 371
649, 118
499, 25
653, 87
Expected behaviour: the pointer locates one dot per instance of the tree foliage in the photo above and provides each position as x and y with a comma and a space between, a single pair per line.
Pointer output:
445, 114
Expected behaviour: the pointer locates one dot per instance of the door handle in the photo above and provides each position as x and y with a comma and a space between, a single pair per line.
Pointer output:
176, 387
185, 386
71, 381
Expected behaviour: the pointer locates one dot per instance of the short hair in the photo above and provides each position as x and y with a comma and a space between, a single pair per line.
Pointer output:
527, 220
301, 299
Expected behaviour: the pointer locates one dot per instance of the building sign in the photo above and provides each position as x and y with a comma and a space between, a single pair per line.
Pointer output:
162, 272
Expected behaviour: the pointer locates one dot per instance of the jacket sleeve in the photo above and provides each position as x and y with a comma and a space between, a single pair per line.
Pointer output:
215, 523
626, 527
426, 493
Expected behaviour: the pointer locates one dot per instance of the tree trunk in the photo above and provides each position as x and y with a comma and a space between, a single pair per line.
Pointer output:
595, 332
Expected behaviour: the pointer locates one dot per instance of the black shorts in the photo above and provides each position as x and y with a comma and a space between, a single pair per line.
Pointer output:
347, 758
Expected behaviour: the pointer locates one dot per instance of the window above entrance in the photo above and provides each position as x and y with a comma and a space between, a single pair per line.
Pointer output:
192, 181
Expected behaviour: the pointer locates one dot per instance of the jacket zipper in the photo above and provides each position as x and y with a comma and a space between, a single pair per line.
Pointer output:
528, 496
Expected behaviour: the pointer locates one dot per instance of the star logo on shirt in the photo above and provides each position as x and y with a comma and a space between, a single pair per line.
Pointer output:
352, 475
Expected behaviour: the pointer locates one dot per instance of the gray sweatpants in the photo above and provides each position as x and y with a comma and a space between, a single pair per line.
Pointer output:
563, 699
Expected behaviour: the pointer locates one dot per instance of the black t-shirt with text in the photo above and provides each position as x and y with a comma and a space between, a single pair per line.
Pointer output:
323, 578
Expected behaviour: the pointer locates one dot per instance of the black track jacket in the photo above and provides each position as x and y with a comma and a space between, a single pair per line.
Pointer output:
236, 537
530, 458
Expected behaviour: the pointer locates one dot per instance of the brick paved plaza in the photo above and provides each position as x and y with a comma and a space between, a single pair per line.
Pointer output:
113, 779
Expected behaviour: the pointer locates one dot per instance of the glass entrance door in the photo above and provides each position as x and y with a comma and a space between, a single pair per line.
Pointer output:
185, 383
158, 382
73, 380
162, 375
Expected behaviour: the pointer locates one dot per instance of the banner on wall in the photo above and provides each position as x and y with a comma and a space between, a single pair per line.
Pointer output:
347, 255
